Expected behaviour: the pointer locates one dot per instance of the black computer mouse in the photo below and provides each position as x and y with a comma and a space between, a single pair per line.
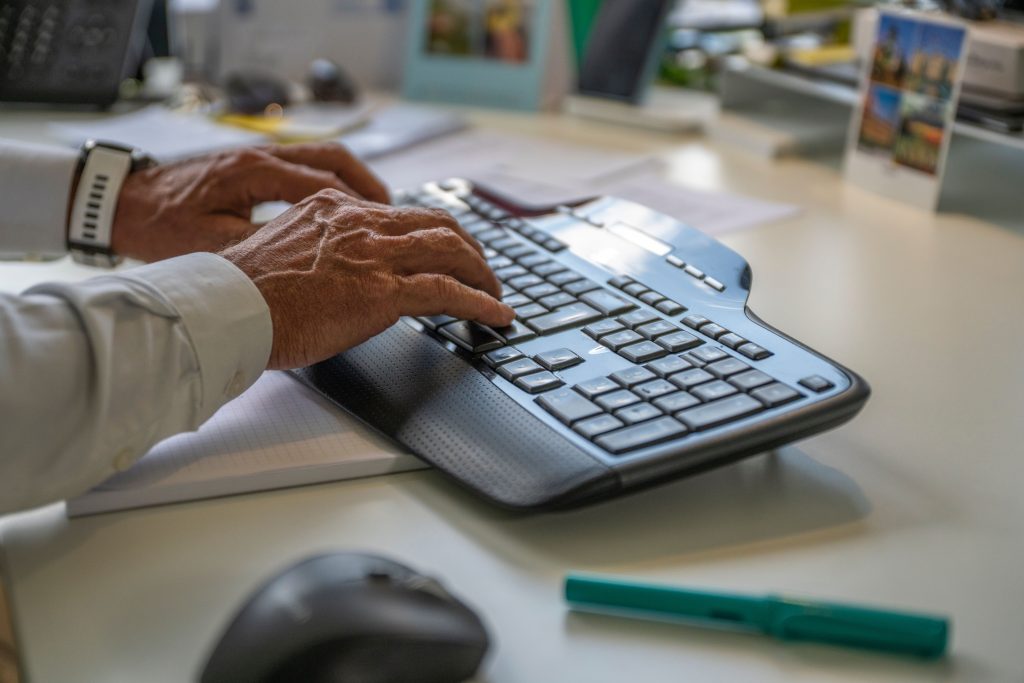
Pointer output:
349, 618
251, 92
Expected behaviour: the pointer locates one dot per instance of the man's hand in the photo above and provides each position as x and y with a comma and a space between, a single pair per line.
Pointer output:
336, 270
205, 203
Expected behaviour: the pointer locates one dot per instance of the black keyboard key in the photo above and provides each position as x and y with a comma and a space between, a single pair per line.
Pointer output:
651, 298
644, 434
549, 268
564, 277
620, 281
732, 340
522, 281
776, 394
690, 378
558, 359
517, 251
568, 406
596, 387
751, 379
669, 365
541, 290
726, 367
670, 307
712, 391
537, 382
529, 311
713, 330
503, 355
637, 318
517, 300
708, 354
596, 426
516, 332
534, 258
642, 352
653, 389
695, 321
557, 300
581, 287
517, 368
673, 403
638, 412
816, 383
599, 329
636, 289
718, 413
617, 399
657, 329
433, 322
617, 340
470, 336
606, 302
632, 376
754, 352
678, 341
564, 318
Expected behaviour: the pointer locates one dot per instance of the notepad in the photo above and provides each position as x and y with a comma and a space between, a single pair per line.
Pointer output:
278, 434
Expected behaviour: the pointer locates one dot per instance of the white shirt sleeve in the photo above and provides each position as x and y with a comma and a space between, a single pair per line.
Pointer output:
36, 184
92, 374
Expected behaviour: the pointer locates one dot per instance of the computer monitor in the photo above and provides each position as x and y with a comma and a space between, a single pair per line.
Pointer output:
623, 49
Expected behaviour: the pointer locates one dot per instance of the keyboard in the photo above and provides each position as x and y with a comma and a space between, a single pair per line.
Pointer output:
633, 359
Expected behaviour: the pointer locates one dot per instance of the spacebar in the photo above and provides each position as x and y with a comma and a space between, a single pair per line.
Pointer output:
564, 318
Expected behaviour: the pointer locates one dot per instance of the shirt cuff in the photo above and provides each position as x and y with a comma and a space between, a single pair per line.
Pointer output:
225, 317
35, 183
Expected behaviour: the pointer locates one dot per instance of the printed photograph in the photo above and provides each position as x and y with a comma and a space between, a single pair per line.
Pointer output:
880, 120
894, 44
451, 27
931, 68
921, 129
507, 30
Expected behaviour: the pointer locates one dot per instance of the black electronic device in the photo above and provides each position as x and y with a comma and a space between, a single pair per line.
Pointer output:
70, 51
634, 359
349, 618
623, 49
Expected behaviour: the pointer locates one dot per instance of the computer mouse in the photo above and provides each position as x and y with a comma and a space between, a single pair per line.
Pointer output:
251, 92
349, 618
329, 83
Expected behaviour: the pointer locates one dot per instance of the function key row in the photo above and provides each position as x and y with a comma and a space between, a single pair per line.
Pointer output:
695, 272
647, 295
726, 337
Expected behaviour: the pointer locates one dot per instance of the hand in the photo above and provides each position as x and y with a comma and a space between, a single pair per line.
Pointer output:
336, 270
205, 203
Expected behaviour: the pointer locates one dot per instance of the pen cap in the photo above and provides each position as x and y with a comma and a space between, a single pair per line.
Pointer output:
887, 631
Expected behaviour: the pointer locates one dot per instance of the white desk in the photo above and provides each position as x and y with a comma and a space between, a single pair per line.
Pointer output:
917, 503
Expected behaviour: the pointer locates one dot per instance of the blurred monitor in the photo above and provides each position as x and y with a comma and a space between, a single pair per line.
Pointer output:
623, 49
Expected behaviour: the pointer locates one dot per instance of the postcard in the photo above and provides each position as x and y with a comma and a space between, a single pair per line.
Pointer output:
901, 129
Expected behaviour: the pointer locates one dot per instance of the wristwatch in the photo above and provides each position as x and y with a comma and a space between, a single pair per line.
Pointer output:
102, 167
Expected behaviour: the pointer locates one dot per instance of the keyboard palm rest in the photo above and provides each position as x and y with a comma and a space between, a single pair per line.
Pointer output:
633, 360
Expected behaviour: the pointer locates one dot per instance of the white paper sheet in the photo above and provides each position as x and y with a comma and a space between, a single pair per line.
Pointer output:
277, 434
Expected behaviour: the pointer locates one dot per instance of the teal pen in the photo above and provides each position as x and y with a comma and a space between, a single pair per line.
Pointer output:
783, 618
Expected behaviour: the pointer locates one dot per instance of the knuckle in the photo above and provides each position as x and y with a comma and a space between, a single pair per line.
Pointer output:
248, 155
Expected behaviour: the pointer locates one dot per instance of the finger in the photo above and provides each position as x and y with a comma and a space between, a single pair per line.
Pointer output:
407, 220
440, 250
338, 160
271, 179
431, 294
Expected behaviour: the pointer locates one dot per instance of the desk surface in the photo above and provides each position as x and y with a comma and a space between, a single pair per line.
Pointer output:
917, 503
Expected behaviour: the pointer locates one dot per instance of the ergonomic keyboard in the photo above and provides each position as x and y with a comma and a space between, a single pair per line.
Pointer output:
633, 359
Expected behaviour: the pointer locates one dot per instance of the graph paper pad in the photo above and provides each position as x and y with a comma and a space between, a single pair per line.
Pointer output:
277, 434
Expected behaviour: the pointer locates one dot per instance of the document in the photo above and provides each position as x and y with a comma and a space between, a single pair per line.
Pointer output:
278, 434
